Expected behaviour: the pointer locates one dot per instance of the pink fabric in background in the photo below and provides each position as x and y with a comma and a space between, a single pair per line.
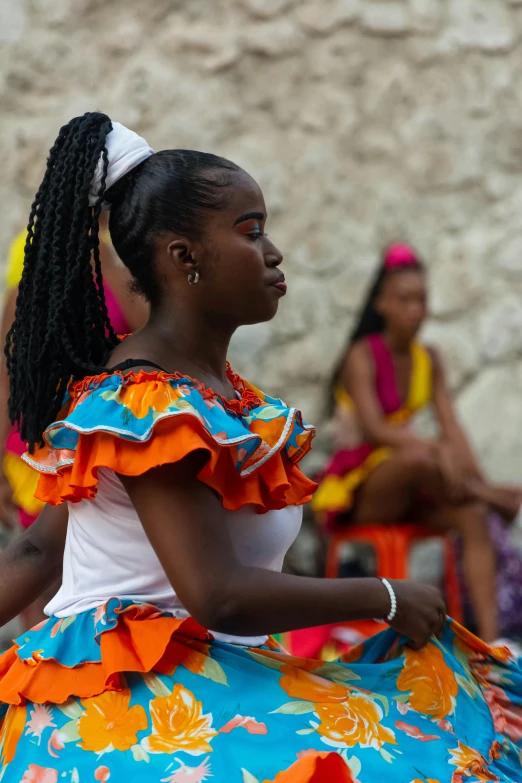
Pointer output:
15, 445
116, 317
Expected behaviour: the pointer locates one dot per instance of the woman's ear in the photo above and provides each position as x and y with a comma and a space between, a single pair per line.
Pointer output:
180, 253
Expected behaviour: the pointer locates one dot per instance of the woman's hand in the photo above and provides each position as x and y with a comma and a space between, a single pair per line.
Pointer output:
421, 612
506, 500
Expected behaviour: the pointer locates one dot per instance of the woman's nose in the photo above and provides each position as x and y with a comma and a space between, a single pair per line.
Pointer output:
273, 256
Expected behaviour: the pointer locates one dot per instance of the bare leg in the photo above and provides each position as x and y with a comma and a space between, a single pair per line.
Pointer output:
390, 494
470, 521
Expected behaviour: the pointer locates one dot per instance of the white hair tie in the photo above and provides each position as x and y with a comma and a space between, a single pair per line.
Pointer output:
125, 151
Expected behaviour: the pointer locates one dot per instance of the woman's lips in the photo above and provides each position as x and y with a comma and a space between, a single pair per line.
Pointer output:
280, 284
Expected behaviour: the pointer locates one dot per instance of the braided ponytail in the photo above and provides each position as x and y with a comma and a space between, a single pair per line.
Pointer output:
61, 327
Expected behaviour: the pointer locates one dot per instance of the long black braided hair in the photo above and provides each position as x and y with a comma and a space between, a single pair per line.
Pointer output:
369, 320
61, 329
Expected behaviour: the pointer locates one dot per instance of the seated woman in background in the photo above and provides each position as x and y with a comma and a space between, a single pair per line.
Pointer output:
382, 471
127, 312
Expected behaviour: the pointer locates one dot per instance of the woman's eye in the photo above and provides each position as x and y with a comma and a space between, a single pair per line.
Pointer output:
256, 235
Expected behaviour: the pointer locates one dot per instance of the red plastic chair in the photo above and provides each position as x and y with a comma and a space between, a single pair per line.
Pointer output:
392, 545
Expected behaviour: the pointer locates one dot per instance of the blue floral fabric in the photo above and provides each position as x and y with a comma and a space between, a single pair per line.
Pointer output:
227, 714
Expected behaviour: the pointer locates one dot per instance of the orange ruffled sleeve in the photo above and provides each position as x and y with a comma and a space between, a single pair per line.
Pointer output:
132, 423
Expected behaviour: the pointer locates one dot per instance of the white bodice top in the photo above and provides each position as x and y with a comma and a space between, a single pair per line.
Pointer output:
107, 553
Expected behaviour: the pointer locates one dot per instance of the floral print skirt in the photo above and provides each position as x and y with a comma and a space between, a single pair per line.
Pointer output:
187, 709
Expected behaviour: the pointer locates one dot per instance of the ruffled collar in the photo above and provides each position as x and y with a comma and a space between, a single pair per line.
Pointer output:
247, 398
253, 443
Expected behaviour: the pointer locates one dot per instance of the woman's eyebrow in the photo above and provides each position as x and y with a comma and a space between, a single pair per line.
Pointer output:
249, 216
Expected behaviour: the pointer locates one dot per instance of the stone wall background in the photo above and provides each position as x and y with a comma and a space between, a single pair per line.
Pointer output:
365, 121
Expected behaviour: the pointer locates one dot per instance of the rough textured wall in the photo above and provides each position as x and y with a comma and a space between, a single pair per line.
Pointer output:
365, 121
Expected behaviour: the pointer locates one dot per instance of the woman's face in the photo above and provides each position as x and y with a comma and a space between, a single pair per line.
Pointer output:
240, 280
403, 302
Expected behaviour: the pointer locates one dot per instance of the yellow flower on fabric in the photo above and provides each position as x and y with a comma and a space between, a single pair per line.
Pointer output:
430, 680
108, 723
470, 763
356, 721
178, 724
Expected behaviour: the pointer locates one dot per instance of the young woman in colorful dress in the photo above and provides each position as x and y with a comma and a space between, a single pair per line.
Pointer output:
381, 469
173, 489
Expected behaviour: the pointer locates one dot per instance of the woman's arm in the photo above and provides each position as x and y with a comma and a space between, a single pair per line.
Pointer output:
359, 381
32, 562
187, 527
451, 429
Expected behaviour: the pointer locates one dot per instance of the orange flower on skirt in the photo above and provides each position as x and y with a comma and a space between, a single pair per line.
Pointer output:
470, 762
430, 680
109, 724
303, 685
178, 724
354, 722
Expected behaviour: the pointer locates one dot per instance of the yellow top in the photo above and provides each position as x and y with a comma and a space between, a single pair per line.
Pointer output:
15, 261
419, 390
336, 492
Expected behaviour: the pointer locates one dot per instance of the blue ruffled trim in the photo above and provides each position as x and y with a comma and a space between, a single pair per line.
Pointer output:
100, 409
74, 640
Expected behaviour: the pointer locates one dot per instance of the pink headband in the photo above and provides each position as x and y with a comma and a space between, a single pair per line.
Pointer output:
399, 255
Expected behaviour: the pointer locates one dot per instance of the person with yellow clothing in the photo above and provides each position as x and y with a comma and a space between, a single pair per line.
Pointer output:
382, 471
18, 481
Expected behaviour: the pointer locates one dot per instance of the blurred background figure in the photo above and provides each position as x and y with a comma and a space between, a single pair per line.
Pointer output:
382, 470
127, 312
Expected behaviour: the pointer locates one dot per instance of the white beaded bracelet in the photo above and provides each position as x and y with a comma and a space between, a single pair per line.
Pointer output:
393, 601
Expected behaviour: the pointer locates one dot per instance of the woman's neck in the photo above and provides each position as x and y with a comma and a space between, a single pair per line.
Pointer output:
397, 344
183, 341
